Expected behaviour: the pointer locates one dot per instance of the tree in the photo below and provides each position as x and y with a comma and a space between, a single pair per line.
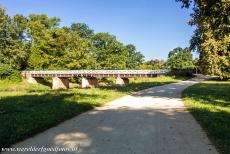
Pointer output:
56, 48
13, 48
134, 58
82, 30
38, 25
61, 49
212, 37
77, 53
110, 53
180, 59
42, 39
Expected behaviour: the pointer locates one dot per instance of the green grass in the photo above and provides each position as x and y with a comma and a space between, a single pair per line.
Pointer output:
209, 102
27, 109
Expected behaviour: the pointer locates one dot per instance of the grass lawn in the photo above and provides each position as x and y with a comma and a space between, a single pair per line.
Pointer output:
27, 109
209, 102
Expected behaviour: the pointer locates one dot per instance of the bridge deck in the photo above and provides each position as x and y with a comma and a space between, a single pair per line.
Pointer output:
96, 73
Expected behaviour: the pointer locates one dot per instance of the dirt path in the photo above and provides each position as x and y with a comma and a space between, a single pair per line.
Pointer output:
153, 121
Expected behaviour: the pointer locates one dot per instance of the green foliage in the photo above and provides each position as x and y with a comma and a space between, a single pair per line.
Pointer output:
5, 70
61, 49
13, 48
37, 42
82, 30
155, 64
15, 76
134, 58
180, 59
7, 73
212, 37
110, 53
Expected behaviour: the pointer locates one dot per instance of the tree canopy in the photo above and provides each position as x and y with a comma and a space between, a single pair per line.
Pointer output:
134, 58
13, 47
212, 36
82, 30
180, 59
37, 42
110, 53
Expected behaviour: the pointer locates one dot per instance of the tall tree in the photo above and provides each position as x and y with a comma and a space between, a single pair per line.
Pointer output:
61, 49
212, 37
77, 52
110, 53
134, 58
43, 45
13, 48
180, 59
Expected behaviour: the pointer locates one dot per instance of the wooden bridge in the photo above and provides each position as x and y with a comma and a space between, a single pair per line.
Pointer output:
89, 77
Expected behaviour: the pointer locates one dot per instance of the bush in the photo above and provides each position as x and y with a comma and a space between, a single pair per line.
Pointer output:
5, 71
15, 76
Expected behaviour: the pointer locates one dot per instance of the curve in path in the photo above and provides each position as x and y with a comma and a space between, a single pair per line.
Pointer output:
152, 121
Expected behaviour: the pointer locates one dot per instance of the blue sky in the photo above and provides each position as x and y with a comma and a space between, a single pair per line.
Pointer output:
153, 26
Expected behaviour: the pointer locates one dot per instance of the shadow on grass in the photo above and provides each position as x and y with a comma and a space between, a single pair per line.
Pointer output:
217, 126
210, 105
209, 94
46, 83
24, 116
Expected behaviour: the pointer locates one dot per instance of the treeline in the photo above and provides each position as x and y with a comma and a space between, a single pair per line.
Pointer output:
37, 42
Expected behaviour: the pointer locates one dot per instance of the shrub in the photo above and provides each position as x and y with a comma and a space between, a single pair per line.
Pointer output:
5, 71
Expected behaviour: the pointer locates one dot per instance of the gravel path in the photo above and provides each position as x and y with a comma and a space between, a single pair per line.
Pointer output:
152, 121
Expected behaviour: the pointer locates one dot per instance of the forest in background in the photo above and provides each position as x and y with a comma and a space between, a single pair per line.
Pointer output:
37, 42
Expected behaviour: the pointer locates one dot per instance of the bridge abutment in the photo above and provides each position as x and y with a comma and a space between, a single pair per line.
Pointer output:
60, 83
121, 81
89, 82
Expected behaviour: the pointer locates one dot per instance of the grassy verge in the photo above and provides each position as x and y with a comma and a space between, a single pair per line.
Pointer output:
27, 109
209, 102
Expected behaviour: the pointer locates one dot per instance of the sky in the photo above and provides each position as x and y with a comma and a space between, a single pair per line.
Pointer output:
154, 26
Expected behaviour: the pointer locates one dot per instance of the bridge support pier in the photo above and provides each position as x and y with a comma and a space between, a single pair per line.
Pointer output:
121, 81
88, 82
60, 83
35, 80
